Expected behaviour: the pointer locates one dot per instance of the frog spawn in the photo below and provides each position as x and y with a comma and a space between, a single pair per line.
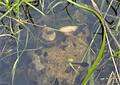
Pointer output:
67, 32
56, 61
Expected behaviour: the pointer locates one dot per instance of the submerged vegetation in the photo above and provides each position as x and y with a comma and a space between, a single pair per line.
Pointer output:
60, 42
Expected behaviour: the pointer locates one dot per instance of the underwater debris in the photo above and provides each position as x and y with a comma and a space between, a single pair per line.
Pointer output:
68, 30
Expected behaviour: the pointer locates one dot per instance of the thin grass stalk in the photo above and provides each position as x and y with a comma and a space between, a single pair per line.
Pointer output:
102, 48
18, 56
35, 8
4, 15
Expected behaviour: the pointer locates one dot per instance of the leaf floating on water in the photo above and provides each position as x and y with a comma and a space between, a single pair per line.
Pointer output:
48, 34
68, 29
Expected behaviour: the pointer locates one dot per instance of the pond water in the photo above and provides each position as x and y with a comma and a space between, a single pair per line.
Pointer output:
52, 57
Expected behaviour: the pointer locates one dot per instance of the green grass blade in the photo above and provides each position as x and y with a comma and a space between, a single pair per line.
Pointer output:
16, 9
118, 25
8, 5
97, 61
87, 8
35, 8
102, 48
1, 3
9, 10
